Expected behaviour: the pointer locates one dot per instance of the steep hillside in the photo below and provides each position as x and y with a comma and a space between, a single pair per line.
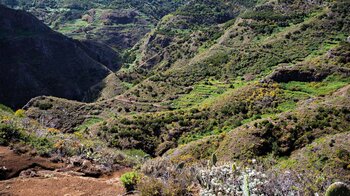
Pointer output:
225, 97
243, 50
119, 23
38, 61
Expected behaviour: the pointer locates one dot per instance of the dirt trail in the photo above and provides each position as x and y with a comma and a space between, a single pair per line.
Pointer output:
61, 184
47, 182
126, 100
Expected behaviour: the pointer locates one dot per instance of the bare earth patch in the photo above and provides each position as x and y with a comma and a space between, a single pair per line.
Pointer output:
61, 185
40, 178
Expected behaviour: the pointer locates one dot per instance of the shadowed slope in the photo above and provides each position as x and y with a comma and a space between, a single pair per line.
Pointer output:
35, 60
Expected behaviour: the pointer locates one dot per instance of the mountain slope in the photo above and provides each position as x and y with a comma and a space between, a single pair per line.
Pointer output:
218, 96
34, 60
118, 23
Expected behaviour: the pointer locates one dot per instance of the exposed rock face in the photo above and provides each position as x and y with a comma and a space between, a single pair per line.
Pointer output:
35, 60
305, 73
293, 74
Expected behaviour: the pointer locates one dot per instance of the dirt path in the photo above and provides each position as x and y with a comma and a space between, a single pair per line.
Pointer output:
47, 182
53, 184
140, 103
126, 100
121, 98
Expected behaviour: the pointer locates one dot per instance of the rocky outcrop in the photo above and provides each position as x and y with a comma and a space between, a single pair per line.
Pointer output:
305, 73
293, 74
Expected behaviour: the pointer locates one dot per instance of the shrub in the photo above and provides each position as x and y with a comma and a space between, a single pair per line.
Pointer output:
338, 189
175, 179
8, 133
5, 108
43, 146
130, 180
20, 113
44, 105
150, 186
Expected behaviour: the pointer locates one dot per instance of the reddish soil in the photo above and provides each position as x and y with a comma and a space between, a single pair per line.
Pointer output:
51, 183
54, 184
15, 163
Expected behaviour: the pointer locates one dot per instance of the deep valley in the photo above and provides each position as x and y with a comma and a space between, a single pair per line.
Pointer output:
175, 97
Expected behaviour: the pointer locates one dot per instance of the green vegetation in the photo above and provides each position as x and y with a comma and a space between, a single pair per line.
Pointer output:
327, 86
44, 105
20, 113
88, 123
130, 180
136, 153
340, 189
200, 92
5, 108
8, 133
264, 84
43, 146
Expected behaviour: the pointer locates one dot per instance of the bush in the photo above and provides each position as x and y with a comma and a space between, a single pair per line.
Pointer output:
44, 105
43, 146
130, 180
8, 133
338, 189
150, 186
5, 108
173, 178
20, 113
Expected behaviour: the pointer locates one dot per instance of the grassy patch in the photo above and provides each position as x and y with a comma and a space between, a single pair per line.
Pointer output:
137, 153
285, 163
329, 85
88, 123
287, 106
327, 45
185, 139
200, 93
207, 92
128, 85
71, 26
